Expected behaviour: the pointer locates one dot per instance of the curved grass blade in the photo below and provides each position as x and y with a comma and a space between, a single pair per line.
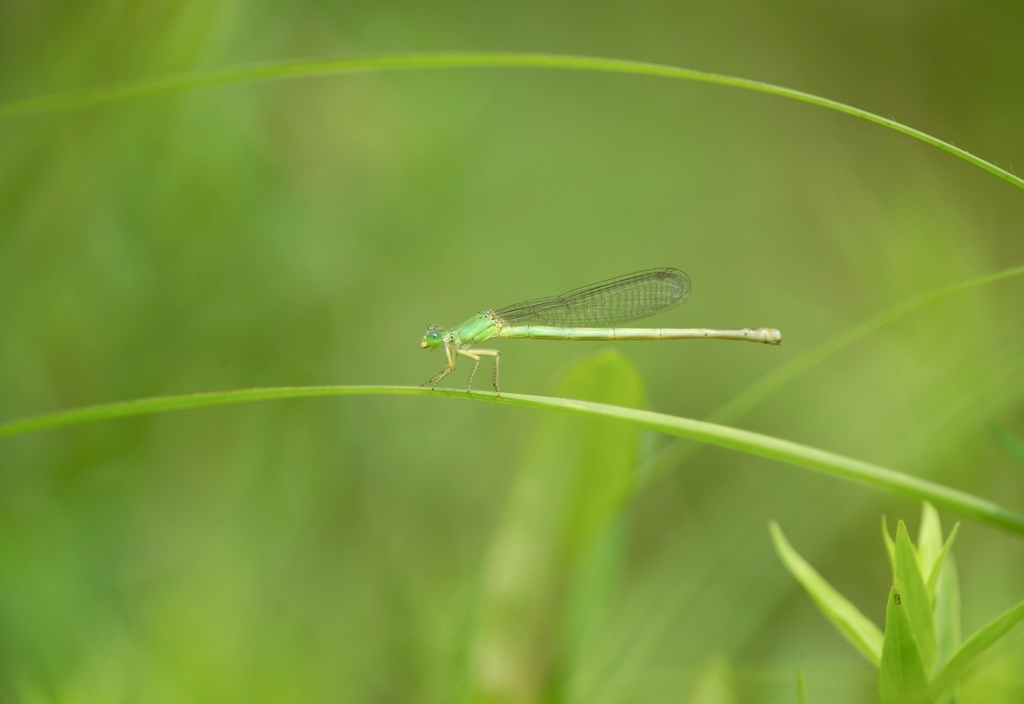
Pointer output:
305, 68
793, 453
857, 628
973, 647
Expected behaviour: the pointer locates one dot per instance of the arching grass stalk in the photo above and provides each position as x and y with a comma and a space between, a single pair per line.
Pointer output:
307, 68
751, 443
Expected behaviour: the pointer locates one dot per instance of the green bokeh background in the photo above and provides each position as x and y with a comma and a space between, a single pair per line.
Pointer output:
306, 232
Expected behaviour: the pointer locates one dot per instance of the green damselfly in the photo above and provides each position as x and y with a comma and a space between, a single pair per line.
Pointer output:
587, 313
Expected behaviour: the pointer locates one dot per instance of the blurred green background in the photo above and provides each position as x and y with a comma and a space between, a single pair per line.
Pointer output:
306, 232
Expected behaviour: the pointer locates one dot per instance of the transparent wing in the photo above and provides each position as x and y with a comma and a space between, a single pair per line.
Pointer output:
603, 304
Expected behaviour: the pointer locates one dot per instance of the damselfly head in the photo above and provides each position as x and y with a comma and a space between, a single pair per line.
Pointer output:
433, 338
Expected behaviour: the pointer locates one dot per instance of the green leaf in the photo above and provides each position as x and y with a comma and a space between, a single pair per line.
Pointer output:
714, 683
947, 612
890, 545
857, 628
545, 546
935, 569
901, 677
909, 583
801, 689
972, 649
929, 538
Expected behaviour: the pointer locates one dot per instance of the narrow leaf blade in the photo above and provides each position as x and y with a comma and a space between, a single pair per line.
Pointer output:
857, 628
550, 542
973, 648
890, 545
947, 613
936, 567
929, 538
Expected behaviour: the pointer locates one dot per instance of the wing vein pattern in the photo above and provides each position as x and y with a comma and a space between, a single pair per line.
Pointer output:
607, 303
